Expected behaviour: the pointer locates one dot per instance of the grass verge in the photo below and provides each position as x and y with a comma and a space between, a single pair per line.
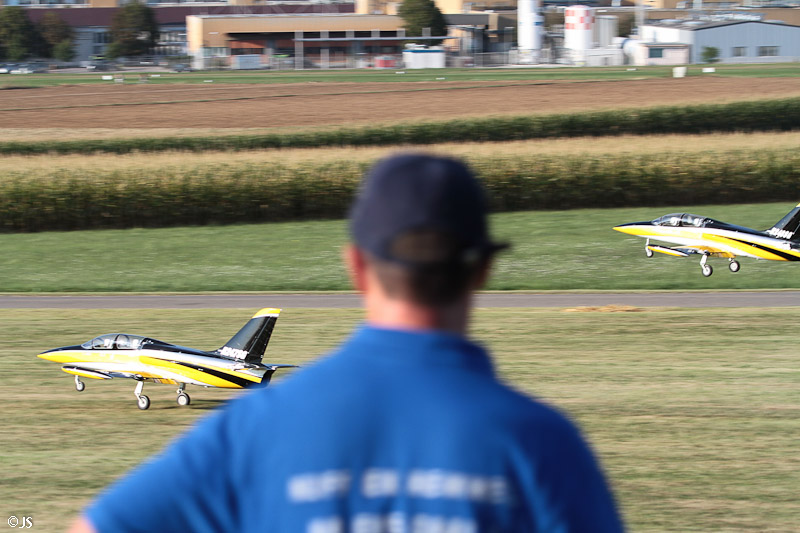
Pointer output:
552, 250
693, 413
400, 75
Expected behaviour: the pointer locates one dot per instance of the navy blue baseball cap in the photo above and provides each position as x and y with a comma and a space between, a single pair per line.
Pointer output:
420, 210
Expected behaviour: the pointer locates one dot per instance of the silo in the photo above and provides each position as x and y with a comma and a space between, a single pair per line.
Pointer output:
578, 28
606, 30
530, 26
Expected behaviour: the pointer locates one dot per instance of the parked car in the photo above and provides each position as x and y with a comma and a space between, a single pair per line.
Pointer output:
181, 67
7, 68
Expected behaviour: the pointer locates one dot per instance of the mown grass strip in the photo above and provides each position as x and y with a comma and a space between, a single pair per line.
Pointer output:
766, 115
64, 199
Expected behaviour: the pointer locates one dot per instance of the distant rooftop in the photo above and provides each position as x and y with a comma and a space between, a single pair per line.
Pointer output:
716, 21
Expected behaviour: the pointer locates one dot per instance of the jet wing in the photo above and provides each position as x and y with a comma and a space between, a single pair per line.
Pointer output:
685, 251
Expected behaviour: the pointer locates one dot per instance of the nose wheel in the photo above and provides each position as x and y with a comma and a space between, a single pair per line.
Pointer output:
647, 251
706, 269
79, 385
141, 400
183, 399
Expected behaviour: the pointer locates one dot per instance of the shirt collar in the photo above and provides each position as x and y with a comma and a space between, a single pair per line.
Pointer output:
418, 347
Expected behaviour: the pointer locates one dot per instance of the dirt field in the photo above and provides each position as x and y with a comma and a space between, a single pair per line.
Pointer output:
137, 106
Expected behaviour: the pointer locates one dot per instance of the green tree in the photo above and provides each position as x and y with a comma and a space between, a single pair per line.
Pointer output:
419, 14
134, 30
54, 31
18, 36
63, 51
710, 54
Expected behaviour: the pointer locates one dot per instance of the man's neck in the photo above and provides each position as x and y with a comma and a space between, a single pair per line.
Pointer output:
388, 313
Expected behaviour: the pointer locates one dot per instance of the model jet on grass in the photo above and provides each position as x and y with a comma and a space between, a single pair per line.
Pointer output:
118, 355
695, 234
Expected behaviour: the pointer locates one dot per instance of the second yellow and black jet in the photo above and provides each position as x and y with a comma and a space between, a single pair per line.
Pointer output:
696, 234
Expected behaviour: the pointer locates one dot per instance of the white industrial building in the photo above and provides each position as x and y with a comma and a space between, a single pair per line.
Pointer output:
738, 41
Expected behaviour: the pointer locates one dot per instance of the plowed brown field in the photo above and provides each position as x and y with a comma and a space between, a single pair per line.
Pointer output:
313, 104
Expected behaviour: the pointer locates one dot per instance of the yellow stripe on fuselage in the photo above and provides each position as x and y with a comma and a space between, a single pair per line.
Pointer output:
132, 362
91, 356
748, 248
200, 375
740, 245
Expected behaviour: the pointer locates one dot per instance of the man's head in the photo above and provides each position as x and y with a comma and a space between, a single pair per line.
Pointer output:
419, 226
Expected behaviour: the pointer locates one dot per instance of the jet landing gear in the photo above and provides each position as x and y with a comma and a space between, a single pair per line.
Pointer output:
647, 251
707, 270
734, 265
142, 401
183, 398
79, 385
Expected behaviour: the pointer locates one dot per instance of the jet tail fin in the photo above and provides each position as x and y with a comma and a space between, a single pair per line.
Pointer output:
251, 341
788, 227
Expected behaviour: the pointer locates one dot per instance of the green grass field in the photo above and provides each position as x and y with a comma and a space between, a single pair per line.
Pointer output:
391, 75
552, 250
694, 413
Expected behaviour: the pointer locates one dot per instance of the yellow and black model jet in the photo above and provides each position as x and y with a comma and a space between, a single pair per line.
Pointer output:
696, 234
120, 355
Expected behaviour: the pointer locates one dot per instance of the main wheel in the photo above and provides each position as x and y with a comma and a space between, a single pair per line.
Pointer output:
183, 399
707, 270
648, 252
734, 266
80, 386
143, 402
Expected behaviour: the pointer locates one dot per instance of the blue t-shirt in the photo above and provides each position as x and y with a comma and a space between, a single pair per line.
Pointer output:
395, 431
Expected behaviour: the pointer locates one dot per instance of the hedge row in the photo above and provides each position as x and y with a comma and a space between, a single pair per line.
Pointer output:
230, 193
765, 115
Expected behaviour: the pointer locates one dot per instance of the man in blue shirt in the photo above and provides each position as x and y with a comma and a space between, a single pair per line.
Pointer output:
402, 429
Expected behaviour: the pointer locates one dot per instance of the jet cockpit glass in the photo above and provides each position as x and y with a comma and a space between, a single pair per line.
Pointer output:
681, 219
673, 219
102, 342
695, 221
128, 342
111, 341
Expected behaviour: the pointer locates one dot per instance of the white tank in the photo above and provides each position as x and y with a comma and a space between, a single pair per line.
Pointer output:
605, 30
578, 28
530, 25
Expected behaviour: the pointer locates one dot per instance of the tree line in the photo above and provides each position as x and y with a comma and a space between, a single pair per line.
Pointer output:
20, 38
134, 32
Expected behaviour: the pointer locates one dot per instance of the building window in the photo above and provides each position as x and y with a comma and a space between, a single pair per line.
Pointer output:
656, 53
739, 51
765, 51
246, 51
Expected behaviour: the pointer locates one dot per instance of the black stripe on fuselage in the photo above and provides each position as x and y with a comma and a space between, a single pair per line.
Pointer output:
221, 375
779, 253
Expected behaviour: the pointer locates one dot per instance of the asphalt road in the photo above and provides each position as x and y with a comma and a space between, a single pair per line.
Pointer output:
346, 300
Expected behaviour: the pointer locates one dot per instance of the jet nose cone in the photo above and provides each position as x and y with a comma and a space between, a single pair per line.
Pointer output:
631, 227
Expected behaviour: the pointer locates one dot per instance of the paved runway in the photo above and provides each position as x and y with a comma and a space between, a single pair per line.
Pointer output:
348, 300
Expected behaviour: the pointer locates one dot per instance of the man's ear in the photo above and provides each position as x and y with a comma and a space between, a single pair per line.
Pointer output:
482, 274
356, 266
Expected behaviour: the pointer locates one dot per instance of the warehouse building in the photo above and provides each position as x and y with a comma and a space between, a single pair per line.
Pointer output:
738, 41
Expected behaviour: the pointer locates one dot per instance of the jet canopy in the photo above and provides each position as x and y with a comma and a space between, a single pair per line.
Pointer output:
682, 219
118, 341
